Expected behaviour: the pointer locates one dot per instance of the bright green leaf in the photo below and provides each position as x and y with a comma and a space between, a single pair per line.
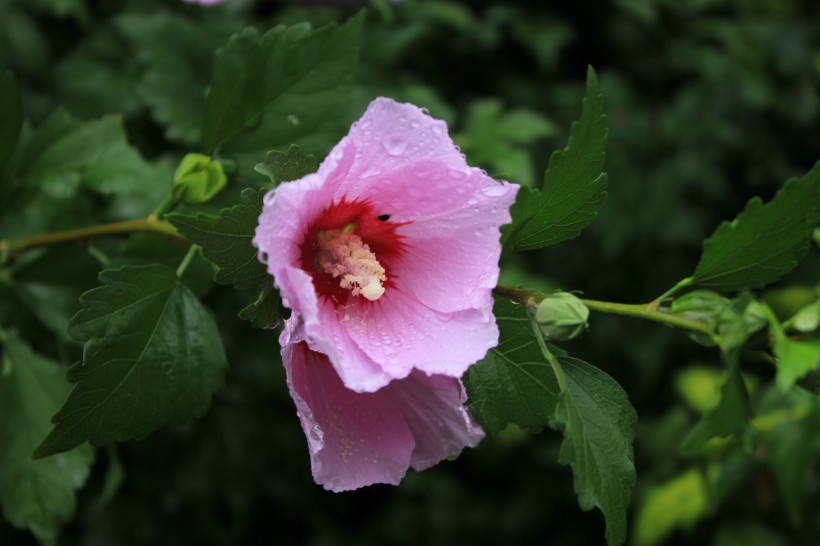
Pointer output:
765, 241
598, 424
574, 185
152, 355
12, 119
675, 504
513, 383
698, 387
795, 359
291, 83
38, 495
226, 241
729, 416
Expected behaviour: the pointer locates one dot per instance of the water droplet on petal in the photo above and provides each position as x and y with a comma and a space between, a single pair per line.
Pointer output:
437, 129
415, 124
394, 146
494, 190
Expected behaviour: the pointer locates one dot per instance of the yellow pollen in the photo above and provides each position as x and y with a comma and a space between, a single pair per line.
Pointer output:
345, 255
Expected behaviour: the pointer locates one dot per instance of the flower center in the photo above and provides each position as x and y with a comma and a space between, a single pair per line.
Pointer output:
348, 250
344, 255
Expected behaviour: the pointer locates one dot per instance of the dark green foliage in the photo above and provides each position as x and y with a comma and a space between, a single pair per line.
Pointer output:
38, 495
708, 104
598, 424
574, 187
226, 241
513, 383
152, 355
765, 241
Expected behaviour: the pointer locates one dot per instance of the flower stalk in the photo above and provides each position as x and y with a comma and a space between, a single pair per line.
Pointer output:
647, 311
10, 249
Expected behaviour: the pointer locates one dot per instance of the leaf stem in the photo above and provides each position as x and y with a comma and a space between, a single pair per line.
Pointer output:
9, 249
186, 261
646, 311
556, 366
674, 290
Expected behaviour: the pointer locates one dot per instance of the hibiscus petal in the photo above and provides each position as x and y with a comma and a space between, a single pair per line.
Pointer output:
390, 135
433, 406
355, 439
324, 331
399, 333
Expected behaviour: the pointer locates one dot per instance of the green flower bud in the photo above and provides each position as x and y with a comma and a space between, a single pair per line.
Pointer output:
561, 316
198, 178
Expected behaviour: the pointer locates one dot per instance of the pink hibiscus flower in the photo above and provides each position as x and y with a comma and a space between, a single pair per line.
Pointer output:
387, 257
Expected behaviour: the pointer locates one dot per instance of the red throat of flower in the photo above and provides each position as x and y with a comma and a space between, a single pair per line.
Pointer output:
348, 250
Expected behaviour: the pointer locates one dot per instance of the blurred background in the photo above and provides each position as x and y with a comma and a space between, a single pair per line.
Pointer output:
710, 102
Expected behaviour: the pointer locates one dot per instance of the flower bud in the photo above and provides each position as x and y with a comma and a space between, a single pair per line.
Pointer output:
198, 178
561, 316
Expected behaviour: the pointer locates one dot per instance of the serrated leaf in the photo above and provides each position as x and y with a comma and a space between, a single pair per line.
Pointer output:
730, 415
598, 424
513, 383
12, 119
574, 185
226, 241
292, 81
264, 312
765, 241
38, 495
281, 167
152, 355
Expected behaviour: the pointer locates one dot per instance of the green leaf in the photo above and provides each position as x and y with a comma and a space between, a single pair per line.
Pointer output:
226, 241
574, 185
281, 167
791, 457
38, 495
795, 359
65, 155
494, 139
12, 119
152, 355
730, 415
264, 312
513, 383
177, 56
765, 241
598, 424
675, 504
292, 82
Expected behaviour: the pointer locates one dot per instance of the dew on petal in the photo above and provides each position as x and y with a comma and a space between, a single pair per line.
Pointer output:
395, 146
